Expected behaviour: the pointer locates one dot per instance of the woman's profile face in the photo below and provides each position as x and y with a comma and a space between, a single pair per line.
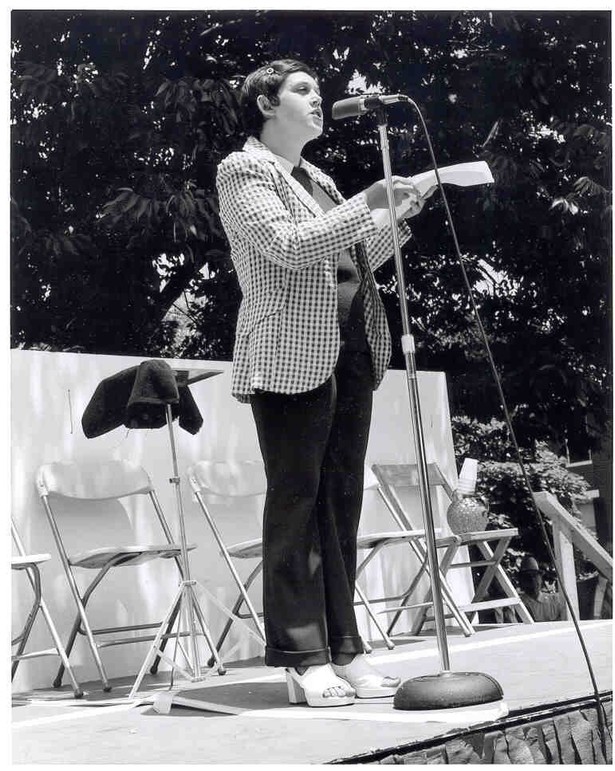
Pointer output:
299, 111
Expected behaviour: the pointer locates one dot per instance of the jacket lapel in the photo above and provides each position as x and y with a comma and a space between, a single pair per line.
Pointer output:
254, 147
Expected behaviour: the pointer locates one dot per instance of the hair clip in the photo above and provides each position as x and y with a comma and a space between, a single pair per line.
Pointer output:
269, 71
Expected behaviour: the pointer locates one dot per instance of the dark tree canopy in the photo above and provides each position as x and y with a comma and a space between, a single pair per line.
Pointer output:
120, 118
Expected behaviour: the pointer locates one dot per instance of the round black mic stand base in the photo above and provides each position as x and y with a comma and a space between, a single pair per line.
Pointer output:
462, 695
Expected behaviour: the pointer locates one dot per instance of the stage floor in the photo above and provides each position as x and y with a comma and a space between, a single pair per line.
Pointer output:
536, 666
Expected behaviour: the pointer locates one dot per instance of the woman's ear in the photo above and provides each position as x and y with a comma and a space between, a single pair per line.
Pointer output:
264, 105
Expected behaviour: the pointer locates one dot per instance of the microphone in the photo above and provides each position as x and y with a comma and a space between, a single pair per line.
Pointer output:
355, 106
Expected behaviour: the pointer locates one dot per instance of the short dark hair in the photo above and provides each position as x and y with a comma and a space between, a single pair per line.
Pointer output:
267, 80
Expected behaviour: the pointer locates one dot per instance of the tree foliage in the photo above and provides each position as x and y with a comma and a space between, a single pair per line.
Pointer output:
113, 164
501, 482
119, 121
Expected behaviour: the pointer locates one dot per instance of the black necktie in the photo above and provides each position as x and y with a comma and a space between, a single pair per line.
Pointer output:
347, 270
322, 198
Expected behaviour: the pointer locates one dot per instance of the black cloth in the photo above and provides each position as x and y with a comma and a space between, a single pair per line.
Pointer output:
137, 397
349, 300
313, 445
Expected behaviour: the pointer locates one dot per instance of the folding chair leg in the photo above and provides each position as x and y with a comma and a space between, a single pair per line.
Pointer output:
78, 623
499, 575
243, 588
447, 596
366, 604
225, 631
251, 610
241, 599
421, 615
227, 627
18, 653
215, 656
57, 683
406, 599
458, 615
92, 645
61, 651
75, 592
494, 558
22, 639
39, 605
243, 591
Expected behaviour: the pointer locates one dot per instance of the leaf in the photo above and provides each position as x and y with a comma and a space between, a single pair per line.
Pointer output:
162, 88
566, 205
68, 245
587, 186
116, 200
132, 202
140, 210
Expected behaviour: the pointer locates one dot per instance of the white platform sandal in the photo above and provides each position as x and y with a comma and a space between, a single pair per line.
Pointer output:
367, 681
312, 684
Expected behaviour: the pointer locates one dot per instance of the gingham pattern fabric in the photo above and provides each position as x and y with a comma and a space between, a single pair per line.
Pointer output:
284, 249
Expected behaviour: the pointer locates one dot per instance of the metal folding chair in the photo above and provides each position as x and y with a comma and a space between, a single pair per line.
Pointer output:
211, 480
71, 484
29, 564
491, 545
372, 544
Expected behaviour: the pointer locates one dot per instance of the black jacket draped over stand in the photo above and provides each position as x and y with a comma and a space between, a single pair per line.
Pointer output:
137, 397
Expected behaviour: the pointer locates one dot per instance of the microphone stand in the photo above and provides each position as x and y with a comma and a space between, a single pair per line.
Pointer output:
447, 689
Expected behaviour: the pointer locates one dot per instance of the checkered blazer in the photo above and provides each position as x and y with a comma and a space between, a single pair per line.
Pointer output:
285, 250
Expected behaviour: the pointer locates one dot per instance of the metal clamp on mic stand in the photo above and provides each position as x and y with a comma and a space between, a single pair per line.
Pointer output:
446, 690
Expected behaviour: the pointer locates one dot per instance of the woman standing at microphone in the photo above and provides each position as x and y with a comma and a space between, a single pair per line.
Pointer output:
311, 346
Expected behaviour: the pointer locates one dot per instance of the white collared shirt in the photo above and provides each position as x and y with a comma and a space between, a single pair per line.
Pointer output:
286, 164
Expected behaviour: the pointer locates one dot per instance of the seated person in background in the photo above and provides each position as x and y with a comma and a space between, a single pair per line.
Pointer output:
542, 606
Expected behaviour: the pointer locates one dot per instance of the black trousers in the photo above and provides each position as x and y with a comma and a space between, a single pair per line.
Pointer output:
313, 446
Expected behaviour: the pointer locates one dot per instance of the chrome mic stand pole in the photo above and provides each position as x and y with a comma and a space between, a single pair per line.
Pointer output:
446, 690
408, 350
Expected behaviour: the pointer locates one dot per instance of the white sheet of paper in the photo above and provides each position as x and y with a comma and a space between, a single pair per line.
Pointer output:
460, 174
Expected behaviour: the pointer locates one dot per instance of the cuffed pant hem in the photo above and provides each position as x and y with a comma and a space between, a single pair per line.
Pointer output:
274, 657
349, 644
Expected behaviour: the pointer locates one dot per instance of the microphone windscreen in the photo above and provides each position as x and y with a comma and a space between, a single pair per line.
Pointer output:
347, 108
